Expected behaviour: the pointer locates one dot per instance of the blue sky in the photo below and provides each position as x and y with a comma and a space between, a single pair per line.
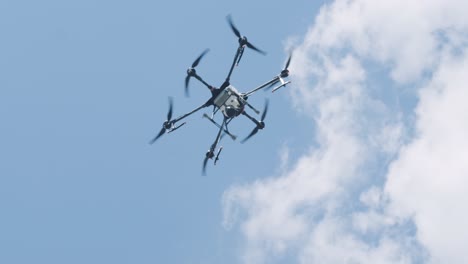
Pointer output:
84, 87
363, 159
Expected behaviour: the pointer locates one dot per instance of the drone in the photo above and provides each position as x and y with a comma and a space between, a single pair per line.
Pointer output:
225, 99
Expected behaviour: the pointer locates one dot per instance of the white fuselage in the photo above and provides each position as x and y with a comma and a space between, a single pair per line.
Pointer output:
230, 102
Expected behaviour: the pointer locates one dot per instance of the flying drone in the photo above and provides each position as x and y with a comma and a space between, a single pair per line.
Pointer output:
225, 99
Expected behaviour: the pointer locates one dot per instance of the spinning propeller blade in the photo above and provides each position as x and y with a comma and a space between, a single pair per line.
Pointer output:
209, 155
195, 63
163, 130
166, 124
242, 39
260, 125
187, 79
169, 113
289, 61
265, 110
191, 71
285, 71
205, 161
254, 131
255, 48
234, 29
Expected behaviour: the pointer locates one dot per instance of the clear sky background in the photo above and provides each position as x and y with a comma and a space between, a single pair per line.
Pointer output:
84, 87
363, 159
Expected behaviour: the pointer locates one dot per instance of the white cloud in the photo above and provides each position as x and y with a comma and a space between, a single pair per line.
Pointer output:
429, 180
331, 242
333, 205
399, 33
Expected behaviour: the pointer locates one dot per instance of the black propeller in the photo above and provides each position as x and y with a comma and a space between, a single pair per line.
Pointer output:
285, 71
167, 124
242, 39
209, 155
260, 125
191, 71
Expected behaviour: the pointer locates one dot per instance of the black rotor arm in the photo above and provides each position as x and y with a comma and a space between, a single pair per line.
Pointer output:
191, 72
170, 124
239, 51
201, 80
189, 113
210, 152
252, 119
259, 124
270, 83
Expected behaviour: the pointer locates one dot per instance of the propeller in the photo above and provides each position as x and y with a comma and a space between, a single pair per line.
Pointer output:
191, 71
285, 71
209, 155
260, 125
167, 124
242, 39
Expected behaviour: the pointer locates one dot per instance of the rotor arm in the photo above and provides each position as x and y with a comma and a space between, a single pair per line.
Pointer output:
253, 108
269, 83
210, 152
189, 113
191, 72
279, 78
218, 136
234, 62
243, 43
202, 81
258, 124
251, 118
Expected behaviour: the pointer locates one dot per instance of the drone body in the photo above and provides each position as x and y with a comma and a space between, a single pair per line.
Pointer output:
225, 99
230, 102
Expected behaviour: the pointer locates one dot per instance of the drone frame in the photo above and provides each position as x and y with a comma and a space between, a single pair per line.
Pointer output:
225, 99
